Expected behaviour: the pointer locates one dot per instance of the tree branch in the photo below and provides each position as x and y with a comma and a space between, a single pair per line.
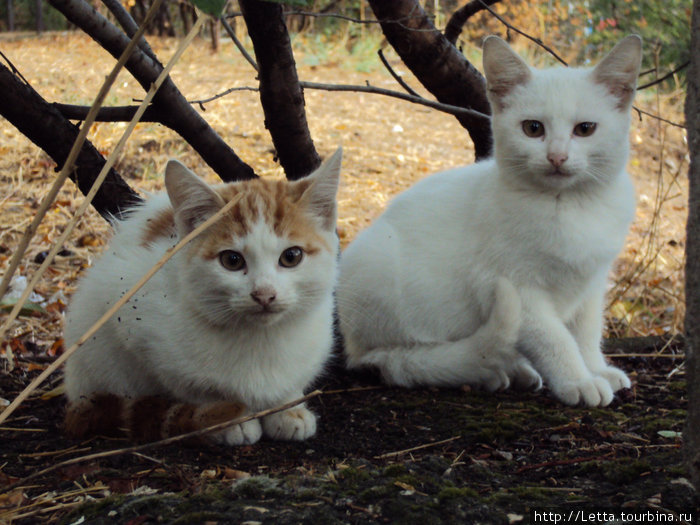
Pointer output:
178, 114
39, 121
280, 93
520, 32
456, 22
396, 76
129, 25
437, 64
124, 113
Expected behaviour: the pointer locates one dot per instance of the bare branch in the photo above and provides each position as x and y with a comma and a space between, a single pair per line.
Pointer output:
520, 32
641, 112
238, 43
456, 22
177, 113
396, 76
124, 113
39, 121
108, 114
281, 95
438, 65
667, 75
129, 25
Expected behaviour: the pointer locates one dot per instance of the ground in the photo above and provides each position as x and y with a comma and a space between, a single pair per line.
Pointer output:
381, 454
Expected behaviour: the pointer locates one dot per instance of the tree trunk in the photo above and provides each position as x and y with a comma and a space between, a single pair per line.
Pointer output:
10, 16
39, 16
179, 114
691, 435
437, 64
39, 121
280, 94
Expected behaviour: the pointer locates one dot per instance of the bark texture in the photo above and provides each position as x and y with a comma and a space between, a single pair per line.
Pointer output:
281, 95
44, 125
437, 64
691, 435
177, 113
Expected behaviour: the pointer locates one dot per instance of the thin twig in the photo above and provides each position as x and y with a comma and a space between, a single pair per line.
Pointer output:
446, 108
65, 171
162, 442
560, 462
664, 356
238, 43
641, 112
394, 74
523, 33
81, 210
667, 75
419, 447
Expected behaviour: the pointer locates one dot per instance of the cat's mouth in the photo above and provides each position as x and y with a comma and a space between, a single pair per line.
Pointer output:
558, 173
266, 311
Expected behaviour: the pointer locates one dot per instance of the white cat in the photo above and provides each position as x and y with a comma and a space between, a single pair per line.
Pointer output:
546, 216
239, 321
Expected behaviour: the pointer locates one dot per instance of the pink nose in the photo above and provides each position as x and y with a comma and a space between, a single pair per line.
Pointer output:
557, 159
263, 296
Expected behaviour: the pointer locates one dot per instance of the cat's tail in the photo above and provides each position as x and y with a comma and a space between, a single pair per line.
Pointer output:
148, 418
488, 358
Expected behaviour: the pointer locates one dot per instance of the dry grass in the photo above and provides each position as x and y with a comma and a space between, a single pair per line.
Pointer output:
389, 144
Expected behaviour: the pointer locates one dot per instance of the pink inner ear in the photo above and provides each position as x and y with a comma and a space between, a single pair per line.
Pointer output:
619, 87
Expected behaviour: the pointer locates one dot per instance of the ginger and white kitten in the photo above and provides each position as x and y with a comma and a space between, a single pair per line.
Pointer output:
238, 321
543, 221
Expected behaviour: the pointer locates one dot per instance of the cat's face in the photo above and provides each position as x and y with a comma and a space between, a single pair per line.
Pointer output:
273, 255
561, 128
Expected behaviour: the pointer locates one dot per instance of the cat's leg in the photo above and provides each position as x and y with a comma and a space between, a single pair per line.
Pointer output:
245, 433
295, 424
587, 328
486, 359
554, 352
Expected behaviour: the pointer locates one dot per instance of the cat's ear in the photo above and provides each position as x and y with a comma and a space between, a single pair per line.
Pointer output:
504, 70
619, 69
320, 189
192, 199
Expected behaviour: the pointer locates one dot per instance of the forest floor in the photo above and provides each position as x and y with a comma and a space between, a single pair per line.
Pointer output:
381, 454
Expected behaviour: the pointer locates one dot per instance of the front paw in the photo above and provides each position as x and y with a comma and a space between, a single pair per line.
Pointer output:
525, 377
295, 424
592, 391
616, 377
245, 433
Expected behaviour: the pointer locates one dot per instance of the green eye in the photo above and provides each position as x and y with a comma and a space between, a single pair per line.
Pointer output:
291, 257
584, 129
231, 260
533, 128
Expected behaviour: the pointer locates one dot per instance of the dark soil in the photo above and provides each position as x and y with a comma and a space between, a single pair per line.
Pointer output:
477, 458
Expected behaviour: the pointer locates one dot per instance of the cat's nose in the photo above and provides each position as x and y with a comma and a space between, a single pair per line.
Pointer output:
557, 159
263, 296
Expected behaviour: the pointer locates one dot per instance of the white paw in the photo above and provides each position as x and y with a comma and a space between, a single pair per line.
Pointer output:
296, 424
616, 377
591, 391
245, 433
495, 379
524, 376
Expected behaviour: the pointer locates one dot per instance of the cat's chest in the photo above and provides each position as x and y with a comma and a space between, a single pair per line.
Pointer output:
558, 240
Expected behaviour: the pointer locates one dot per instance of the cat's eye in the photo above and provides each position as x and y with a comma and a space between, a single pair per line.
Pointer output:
231, 260
584, 129
291, 257
533, 128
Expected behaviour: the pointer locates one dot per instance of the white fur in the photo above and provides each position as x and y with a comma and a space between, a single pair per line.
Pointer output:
194, 333
416, 289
